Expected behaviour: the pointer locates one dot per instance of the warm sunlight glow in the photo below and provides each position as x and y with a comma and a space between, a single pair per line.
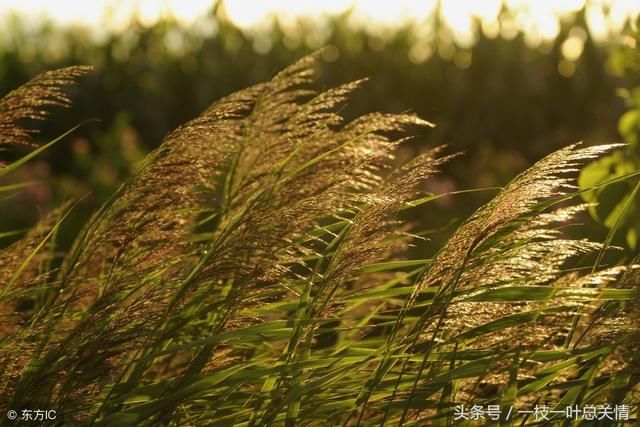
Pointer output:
538, 19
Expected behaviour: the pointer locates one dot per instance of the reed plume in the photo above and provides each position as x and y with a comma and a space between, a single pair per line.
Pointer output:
32, 102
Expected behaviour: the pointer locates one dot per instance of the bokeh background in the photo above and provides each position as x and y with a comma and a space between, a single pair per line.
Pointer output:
506, 82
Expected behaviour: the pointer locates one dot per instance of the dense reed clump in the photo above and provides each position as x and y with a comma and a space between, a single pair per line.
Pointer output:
254, 272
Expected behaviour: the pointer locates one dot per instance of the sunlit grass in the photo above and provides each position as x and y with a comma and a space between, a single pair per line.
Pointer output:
256, 271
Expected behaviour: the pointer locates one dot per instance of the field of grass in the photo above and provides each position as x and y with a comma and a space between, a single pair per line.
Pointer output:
257, 271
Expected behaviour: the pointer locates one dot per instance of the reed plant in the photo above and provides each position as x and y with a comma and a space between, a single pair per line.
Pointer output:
256, 271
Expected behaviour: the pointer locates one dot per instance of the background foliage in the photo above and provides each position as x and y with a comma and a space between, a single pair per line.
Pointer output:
616, 205
501, 101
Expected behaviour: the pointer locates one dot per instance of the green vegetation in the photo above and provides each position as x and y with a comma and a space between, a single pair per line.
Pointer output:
615, 205
256, 271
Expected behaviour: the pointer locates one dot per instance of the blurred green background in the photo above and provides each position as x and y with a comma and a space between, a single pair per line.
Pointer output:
502, 97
